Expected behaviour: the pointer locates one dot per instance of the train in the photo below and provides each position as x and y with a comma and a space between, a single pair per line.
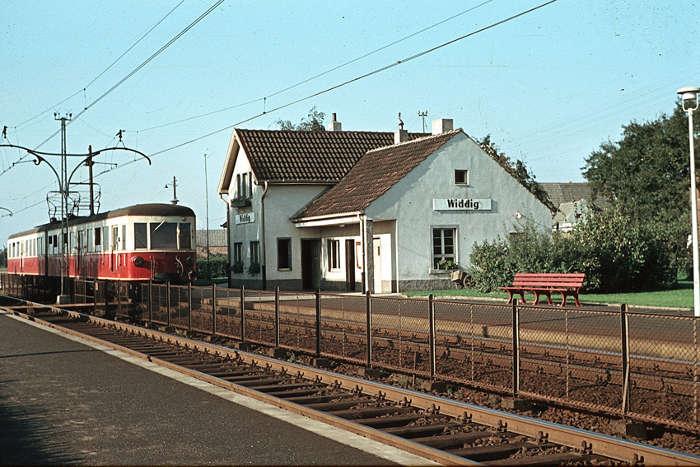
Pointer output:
133, 244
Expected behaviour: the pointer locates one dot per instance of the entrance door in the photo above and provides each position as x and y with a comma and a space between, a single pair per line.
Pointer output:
350, 265
377, 265
311, 264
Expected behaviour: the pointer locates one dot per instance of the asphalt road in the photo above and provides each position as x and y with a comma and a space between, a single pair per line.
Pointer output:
63, 402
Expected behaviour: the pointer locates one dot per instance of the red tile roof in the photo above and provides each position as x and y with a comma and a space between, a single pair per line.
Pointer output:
308, 156
374, 174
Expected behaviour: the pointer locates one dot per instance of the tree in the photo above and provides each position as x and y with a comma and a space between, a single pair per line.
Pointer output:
517, 169
646, 176
3, 257
312, 122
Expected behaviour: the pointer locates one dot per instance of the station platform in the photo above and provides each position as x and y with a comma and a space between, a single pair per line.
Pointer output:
65, 402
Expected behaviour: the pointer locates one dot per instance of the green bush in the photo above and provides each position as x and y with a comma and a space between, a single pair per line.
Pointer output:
615, 252
216, 267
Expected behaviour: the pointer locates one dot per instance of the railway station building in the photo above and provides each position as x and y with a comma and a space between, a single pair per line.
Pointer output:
364, 211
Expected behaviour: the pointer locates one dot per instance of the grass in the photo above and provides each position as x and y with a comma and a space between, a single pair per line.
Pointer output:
679, 297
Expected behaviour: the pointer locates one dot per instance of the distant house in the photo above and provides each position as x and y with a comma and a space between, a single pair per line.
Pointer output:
217, 242
574, 202
364, 211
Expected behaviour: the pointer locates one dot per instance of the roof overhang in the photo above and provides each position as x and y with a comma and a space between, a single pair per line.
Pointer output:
231, 155
328, 220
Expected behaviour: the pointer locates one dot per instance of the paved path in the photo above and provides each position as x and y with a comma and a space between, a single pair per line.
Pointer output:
64, 402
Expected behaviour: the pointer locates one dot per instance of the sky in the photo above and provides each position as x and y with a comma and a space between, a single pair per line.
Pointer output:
549, 87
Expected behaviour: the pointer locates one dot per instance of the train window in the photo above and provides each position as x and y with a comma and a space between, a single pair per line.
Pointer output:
123, 239
88, 242
140, 236
115, 237
185, 236
98, 237
163, 235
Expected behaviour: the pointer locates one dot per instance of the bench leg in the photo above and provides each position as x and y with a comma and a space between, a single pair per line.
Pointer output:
522, 297
549, 298
510, 297
563, 299
576, 301
537, 297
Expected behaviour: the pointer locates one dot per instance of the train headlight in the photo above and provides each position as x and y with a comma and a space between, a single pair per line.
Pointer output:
139, 262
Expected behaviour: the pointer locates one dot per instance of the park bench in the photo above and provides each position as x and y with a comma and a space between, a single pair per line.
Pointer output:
545, 284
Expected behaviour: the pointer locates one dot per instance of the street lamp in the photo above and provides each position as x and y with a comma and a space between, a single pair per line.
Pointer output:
689, 100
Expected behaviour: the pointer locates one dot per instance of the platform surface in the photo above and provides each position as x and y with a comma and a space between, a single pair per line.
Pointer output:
64, 402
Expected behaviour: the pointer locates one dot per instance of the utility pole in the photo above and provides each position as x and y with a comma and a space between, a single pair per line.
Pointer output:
422, 115
63, 188
174, 187
91, 181
206, 200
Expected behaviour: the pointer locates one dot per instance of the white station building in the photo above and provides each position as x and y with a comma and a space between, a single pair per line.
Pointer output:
358, 211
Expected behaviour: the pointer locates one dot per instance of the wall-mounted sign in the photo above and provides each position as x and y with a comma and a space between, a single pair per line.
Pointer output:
246, 218
461, 204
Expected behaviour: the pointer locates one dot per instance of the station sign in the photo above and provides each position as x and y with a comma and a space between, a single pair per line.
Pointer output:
246, 218
461, 204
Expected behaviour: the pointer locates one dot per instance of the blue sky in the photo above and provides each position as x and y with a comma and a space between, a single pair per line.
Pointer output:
549, 87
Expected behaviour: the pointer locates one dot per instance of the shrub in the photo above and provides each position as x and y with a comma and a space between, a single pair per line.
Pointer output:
215, 268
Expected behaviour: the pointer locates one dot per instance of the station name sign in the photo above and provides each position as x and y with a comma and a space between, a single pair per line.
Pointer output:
461, 204
247, 218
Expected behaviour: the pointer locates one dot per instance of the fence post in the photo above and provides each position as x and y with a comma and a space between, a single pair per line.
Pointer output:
368, 307
106, 284
318, 322
150, 301
277, 316
189, 306
94, 296
213, 310
242, 313
167, 300
516, 349
624, 332
431, 334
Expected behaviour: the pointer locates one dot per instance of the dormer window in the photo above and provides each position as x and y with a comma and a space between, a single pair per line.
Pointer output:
461, 177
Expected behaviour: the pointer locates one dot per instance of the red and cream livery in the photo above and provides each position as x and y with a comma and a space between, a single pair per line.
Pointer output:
136, 243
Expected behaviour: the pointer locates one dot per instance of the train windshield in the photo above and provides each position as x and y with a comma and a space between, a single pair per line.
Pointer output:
163, 235
185, 236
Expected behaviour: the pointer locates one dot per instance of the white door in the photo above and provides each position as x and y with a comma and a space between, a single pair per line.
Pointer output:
377, 265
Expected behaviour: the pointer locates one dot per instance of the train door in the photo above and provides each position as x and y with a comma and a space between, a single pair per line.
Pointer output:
114, 245
80, 253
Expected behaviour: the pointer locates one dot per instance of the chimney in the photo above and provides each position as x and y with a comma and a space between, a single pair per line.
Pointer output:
442, 125
335, 125
400, 135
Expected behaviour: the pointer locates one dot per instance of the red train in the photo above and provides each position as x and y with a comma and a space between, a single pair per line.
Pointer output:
136, 243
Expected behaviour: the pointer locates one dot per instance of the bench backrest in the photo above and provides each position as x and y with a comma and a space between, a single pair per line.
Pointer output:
544, 279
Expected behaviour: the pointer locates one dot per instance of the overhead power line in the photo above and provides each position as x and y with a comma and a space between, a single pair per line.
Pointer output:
344, 83
100, 74
320, 74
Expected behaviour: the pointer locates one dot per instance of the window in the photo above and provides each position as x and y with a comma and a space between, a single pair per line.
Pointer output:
250, 184
333, 254
185, 236
163, 235
244, 186
238, 253
284, 253
89, 243
115, 237
123, 239
140, 236
255, 252
461, 177
238, 186
98, 237
443, 247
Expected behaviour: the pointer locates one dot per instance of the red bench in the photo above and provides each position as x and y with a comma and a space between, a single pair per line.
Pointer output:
545, 284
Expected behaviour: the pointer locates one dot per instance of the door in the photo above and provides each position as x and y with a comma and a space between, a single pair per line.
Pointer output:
311, 264
377, 265
350, 265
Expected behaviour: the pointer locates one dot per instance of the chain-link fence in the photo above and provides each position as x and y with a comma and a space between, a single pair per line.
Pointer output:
343, 327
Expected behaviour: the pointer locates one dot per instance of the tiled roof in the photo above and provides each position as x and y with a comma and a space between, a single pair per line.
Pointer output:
217, 237
374, 174
567, 192
308, 156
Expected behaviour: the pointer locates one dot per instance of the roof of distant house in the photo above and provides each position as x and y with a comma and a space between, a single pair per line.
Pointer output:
217, 238
374, 174
288, 156
568, 192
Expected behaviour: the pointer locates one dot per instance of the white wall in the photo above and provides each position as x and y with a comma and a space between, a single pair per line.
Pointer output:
410, 202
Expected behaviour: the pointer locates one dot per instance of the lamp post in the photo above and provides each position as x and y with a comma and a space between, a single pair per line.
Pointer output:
689, 100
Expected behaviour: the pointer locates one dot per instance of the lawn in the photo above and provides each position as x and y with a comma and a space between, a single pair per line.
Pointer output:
679, 297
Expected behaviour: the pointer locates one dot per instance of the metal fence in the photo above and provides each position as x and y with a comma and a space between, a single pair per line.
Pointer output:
638, 365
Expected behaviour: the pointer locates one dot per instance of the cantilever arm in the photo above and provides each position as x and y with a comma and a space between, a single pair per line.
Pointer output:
92, 155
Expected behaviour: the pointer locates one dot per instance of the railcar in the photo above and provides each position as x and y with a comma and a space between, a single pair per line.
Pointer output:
136, 243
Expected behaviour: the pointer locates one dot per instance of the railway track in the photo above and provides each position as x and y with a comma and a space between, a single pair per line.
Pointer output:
436, 428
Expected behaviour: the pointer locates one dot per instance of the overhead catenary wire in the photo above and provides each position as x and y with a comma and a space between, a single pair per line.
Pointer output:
105, 70
320, 74
341, 84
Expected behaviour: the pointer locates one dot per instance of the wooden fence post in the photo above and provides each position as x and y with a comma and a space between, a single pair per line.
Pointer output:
431, 334
516, 348
318, 322
624, 334
277, 316
242, 313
